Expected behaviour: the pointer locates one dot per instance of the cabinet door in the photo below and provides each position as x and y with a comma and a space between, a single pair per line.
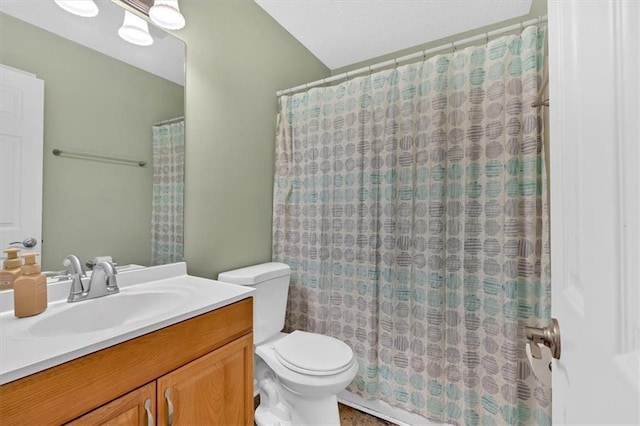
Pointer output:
216, 389
136, 408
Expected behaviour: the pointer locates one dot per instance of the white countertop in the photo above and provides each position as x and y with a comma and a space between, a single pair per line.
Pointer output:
23, 353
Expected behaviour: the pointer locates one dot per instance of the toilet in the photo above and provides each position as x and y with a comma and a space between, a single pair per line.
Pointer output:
298, 375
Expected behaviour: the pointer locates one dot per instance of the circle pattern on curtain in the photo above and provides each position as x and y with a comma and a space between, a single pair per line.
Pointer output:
411, 205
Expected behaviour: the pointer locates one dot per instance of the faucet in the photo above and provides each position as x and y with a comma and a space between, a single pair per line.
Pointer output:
102, 283
77, 273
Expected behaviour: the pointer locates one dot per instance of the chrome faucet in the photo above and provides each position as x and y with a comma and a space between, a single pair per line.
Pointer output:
102, 283
77, 274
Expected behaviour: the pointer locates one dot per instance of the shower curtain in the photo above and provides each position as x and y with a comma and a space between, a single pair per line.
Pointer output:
167, 231
411, 205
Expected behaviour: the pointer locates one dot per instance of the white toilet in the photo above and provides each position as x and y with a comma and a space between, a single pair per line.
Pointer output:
298, 375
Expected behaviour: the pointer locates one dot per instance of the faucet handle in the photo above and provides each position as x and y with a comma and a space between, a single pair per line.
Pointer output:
93, 262
110, 273
73, 263
77, 273
107, 267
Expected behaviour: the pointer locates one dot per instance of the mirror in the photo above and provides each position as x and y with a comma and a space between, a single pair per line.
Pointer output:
102, 95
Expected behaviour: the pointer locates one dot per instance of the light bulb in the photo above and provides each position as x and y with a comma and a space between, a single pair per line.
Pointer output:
166, 14
135, 30
84, 8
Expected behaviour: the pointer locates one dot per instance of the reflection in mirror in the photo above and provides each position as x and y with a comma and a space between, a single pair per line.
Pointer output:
99, 105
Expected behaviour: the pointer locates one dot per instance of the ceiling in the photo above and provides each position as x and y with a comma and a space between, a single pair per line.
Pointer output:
165, 57
344, 32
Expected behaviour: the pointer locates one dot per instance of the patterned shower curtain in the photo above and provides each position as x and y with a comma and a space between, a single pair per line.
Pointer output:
167, 231
411, 205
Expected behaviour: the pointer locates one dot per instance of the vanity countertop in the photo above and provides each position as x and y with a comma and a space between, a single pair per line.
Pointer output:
29, 345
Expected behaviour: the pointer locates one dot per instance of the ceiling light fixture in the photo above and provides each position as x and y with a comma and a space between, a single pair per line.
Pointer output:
135, 30
166, 14
84, 8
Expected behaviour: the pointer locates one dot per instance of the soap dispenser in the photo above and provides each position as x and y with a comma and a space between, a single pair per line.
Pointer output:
29, 289
10, 268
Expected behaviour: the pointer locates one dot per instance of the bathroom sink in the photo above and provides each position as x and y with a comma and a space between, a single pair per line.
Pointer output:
150, 299
107, 312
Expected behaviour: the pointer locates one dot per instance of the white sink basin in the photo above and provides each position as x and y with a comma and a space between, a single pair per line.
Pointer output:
150, 299
107, 312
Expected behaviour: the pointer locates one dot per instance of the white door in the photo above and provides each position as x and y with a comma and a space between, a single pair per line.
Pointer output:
21, 141
594, 51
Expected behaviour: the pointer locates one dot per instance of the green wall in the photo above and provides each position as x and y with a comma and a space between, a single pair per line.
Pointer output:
99, 105
237, 58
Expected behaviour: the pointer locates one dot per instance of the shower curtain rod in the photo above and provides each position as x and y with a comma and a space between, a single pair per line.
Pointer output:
170, 121
422, 54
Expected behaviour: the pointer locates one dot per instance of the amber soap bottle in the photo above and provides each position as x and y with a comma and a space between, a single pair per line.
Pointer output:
29, 289
10, 268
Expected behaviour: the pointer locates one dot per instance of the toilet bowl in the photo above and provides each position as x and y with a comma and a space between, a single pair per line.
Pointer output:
297, 375
306, 370
298, 384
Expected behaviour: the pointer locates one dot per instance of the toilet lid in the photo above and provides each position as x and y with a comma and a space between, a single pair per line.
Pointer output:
313, 354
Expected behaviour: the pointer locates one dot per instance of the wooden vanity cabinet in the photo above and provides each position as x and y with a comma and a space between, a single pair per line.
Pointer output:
128, 410
211, 390
205, 362
207, 391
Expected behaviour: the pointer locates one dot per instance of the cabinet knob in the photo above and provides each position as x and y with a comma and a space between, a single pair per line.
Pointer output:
167, 395
147, 408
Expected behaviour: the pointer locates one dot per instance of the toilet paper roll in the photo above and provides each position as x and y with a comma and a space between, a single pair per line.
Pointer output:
541, 367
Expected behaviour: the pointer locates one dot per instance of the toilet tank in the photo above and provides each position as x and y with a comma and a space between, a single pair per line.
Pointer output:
271, 281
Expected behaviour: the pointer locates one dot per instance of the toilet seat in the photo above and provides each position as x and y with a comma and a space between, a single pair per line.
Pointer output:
313, 354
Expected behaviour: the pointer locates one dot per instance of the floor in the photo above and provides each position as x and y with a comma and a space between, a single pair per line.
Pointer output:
352, 417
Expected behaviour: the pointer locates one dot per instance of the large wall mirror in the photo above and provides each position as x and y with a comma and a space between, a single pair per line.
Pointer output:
102, 96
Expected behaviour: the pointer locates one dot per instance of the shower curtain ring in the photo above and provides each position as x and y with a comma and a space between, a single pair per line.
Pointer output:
395, 62
486, 35
347, 75
370, 70
453, 47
